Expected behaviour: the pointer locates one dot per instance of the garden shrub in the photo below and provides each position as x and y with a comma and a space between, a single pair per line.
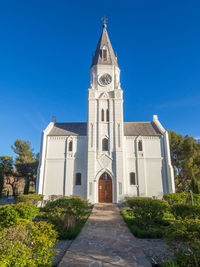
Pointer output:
187, 233
181, 198
67, 214
74, 206
27, 244
182, 211
147, 211
136, 230
32, 198
183, 230
9, 214
26, 210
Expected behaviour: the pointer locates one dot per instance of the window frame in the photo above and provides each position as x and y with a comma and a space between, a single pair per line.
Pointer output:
78, 179
134, 178
70, 146
105, 144
107, 115
104, 50
102, 115
140, 145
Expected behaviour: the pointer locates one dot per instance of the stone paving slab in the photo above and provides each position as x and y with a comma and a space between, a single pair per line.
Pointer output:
104, 241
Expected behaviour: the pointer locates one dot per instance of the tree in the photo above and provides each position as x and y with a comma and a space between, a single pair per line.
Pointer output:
185, 156
6, 172
26, 162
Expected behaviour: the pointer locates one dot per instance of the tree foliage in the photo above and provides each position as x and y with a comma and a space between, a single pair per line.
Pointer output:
185, 156
6, 172
26, 162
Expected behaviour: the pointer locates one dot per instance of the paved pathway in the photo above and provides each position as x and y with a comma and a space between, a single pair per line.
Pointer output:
104, 241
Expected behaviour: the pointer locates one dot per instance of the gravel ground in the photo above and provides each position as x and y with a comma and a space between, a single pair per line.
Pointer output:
60, 249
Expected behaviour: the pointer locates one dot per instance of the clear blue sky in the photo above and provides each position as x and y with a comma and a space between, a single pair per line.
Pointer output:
46, 49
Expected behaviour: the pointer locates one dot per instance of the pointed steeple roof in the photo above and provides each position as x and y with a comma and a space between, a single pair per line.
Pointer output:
104, 44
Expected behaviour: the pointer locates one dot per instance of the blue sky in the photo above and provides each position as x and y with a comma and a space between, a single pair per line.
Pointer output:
46, 49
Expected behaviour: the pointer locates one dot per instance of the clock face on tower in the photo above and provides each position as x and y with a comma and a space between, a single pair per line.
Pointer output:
105, 79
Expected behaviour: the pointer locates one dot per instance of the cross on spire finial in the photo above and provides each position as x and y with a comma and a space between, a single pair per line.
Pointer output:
104, 19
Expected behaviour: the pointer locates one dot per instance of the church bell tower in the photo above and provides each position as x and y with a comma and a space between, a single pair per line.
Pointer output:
105, 121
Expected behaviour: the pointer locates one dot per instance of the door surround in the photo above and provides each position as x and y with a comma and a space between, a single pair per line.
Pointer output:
105, 188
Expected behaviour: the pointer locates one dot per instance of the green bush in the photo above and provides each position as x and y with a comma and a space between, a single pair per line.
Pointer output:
181, 198
183, 230
147, 211
136, 230
67, 214
26, 210
27, 244
187, 233
182, 211
74, 206
9, 214
32, 198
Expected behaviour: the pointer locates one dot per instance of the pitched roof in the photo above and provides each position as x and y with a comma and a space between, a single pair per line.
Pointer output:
80, 128
104, 41
141, 128
69, 128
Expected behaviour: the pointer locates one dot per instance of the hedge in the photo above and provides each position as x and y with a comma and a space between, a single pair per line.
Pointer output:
32, 198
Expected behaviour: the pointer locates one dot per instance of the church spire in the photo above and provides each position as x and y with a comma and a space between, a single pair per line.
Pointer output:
104, 53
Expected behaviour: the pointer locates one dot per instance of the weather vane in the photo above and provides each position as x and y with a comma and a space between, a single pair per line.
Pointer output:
104, 19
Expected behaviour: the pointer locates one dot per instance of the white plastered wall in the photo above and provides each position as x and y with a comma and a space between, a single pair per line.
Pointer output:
59, 166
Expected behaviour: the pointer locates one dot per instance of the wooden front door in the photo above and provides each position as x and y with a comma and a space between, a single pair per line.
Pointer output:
105, 188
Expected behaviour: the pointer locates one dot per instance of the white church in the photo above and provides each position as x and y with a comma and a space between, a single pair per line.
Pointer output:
105, 159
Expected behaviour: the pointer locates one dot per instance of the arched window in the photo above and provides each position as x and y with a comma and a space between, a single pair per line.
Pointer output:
140, 145
70, 146
102, 115
107, 115
132, 178
105, 144
78, 178
104, 54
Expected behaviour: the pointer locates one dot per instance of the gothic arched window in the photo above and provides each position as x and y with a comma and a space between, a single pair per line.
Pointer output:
78, 178
70, 146
107, 115
132, 178
104, 54
102, 115
140, 145
105, 144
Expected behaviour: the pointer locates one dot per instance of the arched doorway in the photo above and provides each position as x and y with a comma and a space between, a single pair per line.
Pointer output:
105, 188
